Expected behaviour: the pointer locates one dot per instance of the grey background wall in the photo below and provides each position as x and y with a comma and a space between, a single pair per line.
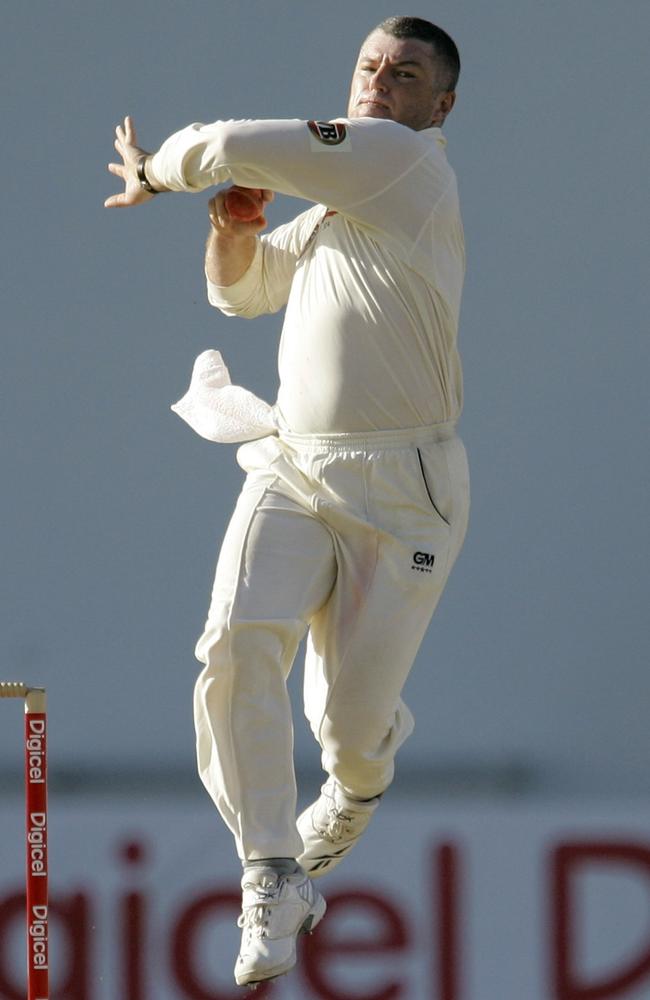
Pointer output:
112, 510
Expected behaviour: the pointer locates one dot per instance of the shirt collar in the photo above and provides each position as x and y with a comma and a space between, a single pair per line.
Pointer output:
434, 132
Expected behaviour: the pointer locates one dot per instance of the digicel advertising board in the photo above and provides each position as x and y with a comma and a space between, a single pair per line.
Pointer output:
439, 902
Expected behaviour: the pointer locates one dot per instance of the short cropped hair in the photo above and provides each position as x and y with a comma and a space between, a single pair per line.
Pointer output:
444, 47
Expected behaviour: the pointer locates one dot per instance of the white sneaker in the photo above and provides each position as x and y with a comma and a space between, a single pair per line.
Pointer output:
330, 828
275, 909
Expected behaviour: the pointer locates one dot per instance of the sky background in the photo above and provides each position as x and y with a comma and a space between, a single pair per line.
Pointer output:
113, 510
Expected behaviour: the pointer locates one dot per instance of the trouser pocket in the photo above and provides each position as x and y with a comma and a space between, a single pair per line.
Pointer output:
428, 488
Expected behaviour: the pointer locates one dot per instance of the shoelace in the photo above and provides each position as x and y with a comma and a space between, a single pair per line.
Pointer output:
255, 918
338, 824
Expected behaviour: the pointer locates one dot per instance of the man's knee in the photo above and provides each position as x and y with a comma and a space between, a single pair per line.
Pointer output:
228, 643
214, 633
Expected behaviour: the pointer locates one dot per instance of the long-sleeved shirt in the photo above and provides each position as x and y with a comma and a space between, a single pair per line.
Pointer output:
371, 276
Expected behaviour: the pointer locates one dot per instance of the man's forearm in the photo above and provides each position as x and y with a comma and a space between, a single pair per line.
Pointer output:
227, 258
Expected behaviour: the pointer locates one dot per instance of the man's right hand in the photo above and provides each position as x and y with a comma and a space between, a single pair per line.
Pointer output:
224, 225
231, 244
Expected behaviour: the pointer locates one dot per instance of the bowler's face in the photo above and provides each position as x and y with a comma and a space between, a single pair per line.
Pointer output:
396, 78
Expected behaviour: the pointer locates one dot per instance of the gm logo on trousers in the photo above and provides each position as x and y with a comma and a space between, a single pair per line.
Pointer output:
423, 562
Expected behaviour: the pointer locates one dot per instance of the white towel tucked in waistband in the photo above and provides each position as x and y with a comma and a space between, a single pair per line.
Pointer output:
220, 411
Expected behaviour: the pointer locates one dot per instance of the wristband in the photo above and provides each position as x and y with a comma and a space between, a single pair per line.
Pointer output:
145, 183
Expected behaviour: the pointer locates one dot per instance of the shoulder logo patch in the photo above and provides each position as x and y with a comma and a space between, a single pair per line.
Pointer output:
329, 133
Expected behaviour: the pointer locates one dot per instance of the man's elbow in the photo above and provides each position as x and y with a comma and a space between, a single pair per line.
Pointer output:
245, 310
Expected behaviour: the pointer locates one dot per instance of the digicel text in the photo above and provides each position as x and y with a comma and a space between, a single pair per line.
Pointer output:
385, 940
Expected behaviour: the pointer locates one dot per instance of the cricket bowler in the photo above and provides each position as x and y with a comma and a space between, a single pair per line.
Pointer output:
356, 497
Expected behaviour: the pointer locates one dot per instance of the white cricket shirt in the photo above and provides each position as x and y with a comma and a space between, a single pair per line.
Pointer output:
371, 276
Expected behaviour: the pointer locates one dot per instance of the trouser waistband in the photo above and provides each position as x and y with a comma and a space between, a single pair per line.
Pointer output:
371, 440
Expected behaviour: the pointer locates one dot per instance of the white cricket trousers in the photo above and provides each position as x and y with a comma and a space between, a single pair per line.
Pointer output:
349, 538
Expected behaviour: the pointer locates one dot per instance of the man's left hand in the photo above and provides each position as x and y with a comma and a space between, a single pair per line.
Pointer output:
127, 147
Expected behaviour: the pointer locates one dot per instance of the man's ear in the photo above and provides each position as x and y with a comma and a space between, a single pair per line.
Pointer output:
444, 104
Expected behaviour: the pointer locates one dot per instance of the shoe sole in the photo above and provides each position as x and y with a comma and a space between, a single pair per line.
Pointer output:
311, 921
